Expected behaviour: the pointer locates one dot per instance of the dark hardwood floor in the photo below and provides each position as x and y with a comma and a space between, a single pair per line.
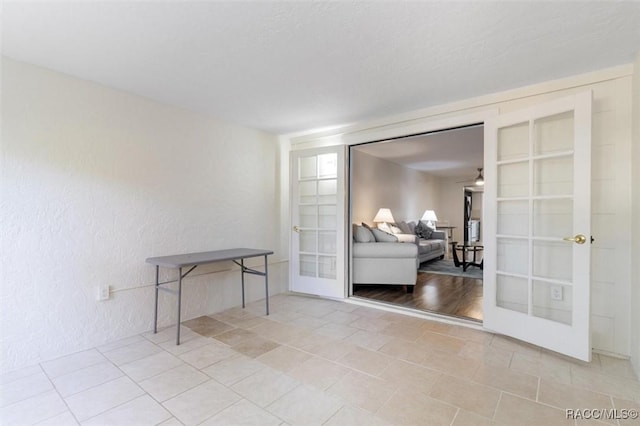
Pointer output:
444, 294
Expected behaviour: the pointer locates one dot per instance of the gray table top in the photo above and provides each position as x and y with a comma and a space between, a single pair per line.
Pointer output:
190, 259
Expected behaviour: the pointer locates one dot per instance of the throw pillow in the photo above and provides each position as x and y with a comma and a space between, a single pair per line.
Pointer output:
412, 227
384, 227
384, 237
404, 227
363, 235
423, 231
395, 229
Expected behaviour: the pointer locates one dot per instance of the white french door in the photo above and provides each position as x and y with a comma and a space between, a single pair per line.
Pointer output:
537, 224
317, 263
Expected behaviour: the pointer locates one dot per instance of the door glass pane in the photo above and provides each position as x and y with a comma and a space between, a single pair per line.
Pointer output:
513, 180
553, 176
307, 168
327, 267
513, 142
553, 218
328, 217
307, 265
327, 190
553, 260
513, 218
308, 192
308, 216
512, 256
553, 133
308, 241
512, 293
327, 165
327, 242
552, 301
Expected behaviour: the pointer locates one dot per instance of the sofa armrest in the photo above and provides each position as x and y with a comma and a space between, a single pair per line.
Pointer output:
406, 238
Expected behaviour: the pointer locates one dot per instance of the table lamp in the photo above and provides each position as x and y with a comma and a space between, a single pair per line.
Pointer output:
430, 217
383, 217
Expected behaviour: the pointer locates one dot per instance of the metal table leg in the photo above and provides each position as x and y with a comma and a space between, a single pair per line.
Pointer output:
266, 283
155, 311
179, 304
242, 269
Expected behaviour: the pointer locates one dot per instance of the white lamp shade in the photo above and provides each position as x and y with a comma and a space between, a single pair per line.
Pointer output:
384, 215
429, 216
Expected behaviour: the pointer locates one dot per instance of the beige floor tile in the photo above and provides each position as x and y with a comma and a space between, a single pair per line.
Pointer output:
25, 388
355, 416
125, 342
232, 370
366, 361
284, 316
336, 331
330, 349
283, 358
402, 331
437, 327
444, 343
407, 408
140, 412
618, 387
166, 334
565, 396
470, 334
473, 397
617, 367
486, 354
369, 340
198, 404
235, 336
626, 404
454, 365
205, 356
363, 311
404, 350
410, 377
63, 419
86, 378
133, 352
278, 332
249, 323
33, 410
150, 366
265, 386
99, 399
513, 345
20, 373
255, 347
173, 382
207, 326
541, 367
242, 412
308, 322
363, 391
374, 325
339, 317
187, 344
73, 362
171, 422
319, 310
515, 382
465, 418
515, 410
305, 405
319, 372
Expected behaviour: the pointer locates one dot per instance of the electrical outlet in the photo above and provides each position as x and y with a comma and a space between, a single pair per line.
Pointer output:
556, 292
103, 292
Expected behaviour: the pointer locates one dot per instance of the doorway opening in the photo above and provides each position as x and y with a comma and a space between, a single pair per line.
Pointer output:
415, 205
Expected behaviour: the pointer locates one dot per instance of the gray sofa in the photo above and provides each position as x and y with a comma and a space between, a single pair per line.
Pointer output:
382, 260
433, 247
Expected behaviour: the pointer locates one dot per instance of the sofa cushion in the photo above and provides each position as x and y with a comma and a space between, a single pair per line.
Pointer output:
404, 227
384, 237
363, 235
412, 227
385, 250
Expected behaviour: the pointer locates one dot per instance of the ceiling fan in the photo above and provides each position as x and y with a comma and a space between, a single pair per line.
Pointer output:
478, 181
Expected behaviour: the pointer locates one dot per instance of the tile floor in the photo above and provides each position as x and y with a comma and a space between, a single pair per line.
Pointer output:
316, 362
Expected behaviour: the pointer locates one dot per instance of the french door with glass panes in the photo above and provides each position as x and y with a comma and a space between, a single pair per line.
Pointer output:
537, 225
318, 221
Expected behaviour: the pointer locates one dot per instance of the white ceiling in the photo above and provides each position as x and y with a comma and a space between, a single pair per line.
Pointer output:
291, 66
452, 153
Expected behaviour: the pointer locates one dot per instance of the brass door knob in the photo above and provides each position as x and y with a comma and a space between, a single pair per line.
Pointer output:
578, 239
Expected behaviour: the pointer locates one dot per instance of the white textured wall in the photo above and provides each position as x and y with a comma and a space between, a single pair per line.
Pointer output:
94, 181
635, 273
379, 183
